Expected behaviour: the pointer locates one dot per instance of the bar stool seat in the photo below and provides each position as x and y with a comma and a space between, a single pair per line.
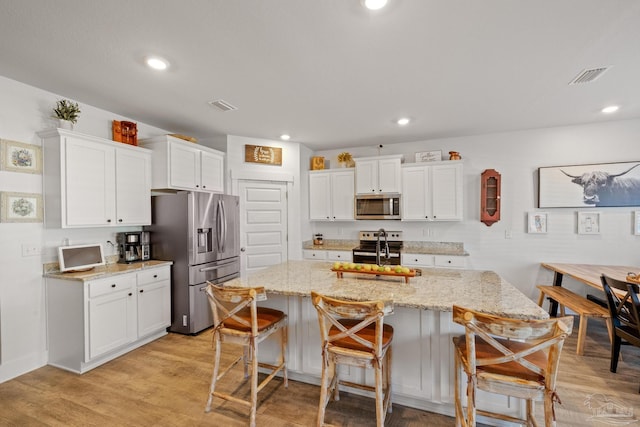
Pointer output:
354, 333
238, 320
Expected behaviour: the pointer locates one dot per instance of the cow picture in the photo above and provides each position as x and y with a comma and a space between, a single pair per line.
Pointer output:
597, 185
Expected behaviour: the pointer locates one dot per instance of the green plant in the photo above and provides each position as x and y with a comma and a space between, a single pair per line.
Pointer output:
67, 110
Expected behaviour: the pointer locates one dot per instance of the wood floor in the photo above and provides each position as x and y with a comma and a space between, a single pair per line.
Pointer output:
165, 383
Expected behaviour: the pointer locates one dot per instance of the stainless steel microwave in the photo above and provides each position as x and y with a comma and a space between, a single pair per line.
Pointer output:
378, 206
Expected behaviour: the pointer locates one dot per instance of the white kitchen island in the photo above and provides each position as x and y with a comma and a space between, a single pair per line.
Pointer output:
422, 367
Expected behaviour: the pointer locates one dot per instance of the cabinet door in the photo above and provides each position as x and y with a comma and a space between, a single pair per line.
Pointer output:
389, 176
133, 187
342, 195
154, 307
112, 321
88, 193
416, 204
184, 167
446, 188
320, 196
367, 177
212, 171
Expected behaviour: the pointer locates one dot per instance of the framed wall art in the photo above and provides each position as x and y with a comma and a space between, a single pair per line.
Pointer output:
588, 222
537, 222
19, 157
20, 207
595, 185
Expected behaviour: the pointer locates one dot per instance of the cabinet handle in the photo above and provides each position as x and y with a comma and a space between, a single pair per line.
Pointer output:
120, 220
204, 186
327, 217
113, 285
108, 220
155, 276
415, 260
197, 186
141, 291
449, 261
130, 294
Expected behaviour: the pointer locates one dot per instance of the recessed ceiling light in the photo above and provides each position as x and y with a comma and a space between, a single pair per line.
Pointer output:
374, 4
157, 63
403, 121
285, 137
610, 109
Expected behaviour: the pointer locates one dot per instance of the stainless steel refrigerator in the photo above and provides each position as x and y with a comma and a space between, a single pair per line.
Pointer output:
199, 232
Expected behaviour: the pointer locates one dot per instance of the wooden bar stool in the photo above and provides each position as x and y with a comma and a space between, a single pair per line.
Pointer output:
354, 333
238, 320
512, 357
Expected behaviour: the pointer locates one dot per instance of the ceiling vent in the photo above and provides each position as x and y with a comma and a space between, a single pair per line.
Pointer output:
222, 105
589, 75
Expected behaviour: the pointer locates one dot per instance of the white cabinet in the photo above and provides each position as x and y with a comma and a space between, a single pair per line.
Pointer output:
329, 255
331, 195
432, 192
314, 254
154, 300
93, 182
346, 256
430, 260
92, 322
376, 175
182, 165
111, 314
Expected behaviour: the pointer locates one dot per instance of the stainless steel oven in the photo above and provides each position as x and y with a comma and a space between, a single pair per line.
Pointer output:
379, 248
378, 206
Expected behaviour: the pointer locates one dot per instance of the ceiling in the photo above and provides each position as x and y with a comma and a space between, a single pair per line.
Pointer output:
330, 73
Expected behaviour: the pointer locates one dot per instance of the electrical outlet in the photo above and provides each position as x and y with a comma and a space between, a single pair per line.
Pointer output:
31, 249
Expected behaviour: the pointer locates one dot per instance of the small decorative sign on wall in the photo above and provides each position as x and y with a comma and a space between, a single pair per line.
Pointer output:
18, 157
20, 207
263, 154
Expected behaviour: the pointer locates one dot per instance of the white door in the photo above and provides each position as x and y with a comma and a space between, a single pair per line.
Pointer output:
263, 224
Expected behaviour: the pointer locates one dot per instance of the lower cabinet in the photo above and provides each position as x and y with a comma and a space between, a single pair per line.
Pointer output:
422, 369
429, 260
92, 322
329, 255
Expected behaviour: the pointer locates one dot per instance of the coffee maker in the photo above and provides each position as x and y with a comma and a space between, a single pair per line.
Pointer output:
133, 246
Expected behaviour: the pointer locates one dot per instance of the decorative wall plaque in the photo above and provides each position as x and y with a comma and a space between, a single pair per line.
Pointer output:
263, 154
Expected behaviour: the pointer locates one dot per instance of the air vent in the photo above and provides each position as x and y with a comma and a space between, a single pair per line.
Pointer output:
222, 105
589, 75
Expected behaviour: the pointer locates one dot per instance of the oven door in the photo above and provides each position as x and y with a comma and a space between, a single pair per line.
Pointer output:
367, 257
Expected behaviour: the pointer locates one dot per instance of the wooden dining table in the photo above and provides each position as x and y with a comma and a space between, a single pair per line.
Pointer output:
589, 274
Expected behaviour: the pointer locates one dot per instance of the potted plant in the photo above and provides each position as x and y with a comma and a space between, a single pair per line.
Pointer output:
345, 159
68, 113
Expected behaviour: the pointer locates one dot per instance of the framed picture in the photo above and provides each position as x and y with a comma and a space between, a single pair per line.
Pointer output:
636, 223
20, 207
596, 185
537, 222
18, 157
429, 156
588, 222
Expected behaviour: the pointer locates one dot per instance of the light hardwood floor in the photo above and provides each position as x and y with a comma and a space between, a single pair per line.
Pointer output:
165, 383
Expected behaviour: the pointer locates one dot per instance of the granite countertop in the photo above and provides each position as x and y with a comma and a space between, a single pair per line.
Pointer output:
437, 289
112, 269
409, 247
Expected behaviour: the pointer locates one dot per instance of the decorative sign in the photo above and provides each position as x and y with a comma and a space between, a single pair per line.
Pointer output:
429, 156
262, 154
18, 157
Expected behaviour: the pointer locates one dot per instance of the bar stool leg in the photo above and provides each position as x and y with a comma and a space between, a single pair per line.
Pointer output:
254, 381
324, 388
283, 359
214, 377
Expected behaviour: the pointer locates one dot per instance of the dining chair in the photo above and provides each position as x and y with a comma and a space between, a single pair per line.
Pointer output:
624, 306
238, 320
354, 333
511, 357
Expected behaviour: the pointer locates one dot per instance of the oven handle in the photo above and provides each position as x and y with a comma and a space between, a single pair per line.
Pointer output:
369, 254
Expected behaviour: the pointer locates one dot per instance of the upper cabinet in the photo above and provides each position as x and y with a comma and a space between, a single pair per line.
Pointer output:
182, 165
376, 175
331, 195
94, 182
432, 192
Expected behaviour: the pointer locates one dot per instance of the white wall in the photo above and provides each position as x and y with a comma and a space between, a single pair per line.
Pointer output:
517, 156
25, 110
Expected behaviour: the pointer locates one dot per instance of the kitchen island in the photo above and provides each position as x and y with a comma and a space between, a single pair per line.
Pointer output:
422, 367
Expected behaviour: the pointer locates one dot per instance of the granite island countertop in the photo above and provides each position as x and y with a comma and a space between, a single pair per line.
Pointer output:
437, 289
107, 270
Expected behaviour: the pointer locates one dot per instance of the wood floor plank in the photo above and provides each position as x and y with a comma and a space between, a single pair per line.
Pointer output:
165, 383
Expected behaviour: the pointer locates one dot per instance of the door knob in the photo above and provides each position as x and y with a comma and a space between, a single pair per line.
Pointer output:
242, 249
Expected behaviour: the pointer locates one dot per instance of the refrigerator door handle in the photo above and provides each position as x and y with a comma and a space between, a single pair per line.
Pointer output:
222, 226
216, 267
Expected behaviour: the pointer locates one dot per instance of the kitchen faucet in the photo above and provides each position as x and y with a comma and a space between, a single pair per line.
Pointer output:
382, 233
